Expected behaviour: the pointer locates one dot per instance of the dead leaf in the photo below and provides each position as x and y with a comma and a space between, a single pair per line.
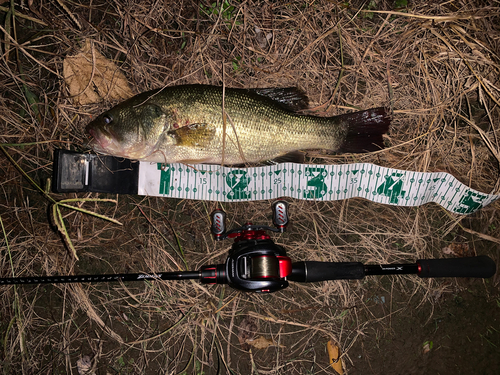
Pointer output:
458, 249
91, 77
84, 366
246, 332
334, 354
426, 348
262, 343
262, 39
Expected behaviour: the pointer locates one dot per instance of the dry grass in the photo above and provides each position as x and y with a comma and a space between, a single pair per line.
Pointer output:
437, 66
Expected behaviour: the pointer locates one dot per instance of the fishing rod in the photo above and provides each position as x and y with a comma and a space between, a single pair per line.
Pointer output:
256, 264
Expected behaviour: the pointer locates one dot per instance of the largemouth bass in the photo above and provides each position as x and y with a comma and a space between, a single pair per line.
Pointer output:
199, 124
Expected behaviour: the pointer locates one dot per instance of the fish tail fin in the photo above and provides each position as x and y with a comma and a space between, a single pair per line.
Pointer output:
365, 130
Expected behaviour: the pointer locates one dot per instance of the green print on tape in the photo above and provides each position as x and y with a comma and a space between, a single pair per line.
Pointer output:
238, 181
300, 181
165, 177
470, 202
393, 187
316, 187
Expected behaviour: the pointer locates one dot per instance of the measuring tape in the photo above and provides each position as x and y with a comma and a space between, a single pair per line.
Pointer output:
310, 182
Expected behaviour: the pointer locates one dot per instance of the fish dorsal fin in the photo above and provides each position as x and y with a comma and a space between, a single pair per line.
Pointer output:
193, 135
290, 98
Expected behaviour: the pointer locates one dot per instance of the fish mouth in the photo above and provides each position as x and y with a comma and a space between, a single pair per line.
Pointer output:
99, 142
106, 143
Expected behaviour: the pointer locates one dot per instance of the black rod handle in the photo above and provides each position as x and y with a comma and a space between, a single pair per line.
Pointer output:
391, 269
480, 266
311, 271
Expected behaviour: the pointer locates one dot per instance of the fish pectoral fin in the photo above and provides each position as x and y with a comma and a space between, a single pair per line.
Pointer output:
193, 135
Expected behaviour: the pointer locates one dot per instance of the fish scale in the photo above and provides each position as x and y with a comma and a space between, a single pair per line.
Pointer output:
186, 124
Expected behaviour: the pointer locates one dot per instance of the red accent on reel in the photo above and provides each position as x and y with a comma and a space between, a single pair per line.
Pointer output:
285, 265
249, 235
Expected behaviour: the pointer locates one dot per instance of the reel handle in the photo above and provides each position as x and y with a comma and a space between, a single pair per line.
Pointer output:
280, 215
218, 227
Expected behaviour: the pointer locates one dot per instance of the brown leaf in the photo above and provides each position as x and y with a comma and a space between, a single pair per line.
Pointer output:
262, 343
246, 332
334, 354
458, 249
426, 348
84, 366
91, 77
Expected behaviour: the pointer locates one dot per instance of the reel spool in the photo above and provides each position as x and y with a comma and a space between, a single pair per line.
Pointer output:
264, 267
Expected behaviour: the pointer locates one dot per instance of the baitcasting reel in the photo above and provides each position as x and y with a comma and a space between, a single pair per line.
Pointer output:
255, 263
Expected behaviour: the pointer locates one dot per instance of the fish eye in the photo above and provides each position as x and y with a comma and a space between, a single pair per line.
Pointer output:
108, 119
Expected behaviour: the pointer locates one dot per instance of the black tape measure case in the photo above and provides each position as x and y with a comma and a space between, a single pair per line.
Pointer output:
78, 172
